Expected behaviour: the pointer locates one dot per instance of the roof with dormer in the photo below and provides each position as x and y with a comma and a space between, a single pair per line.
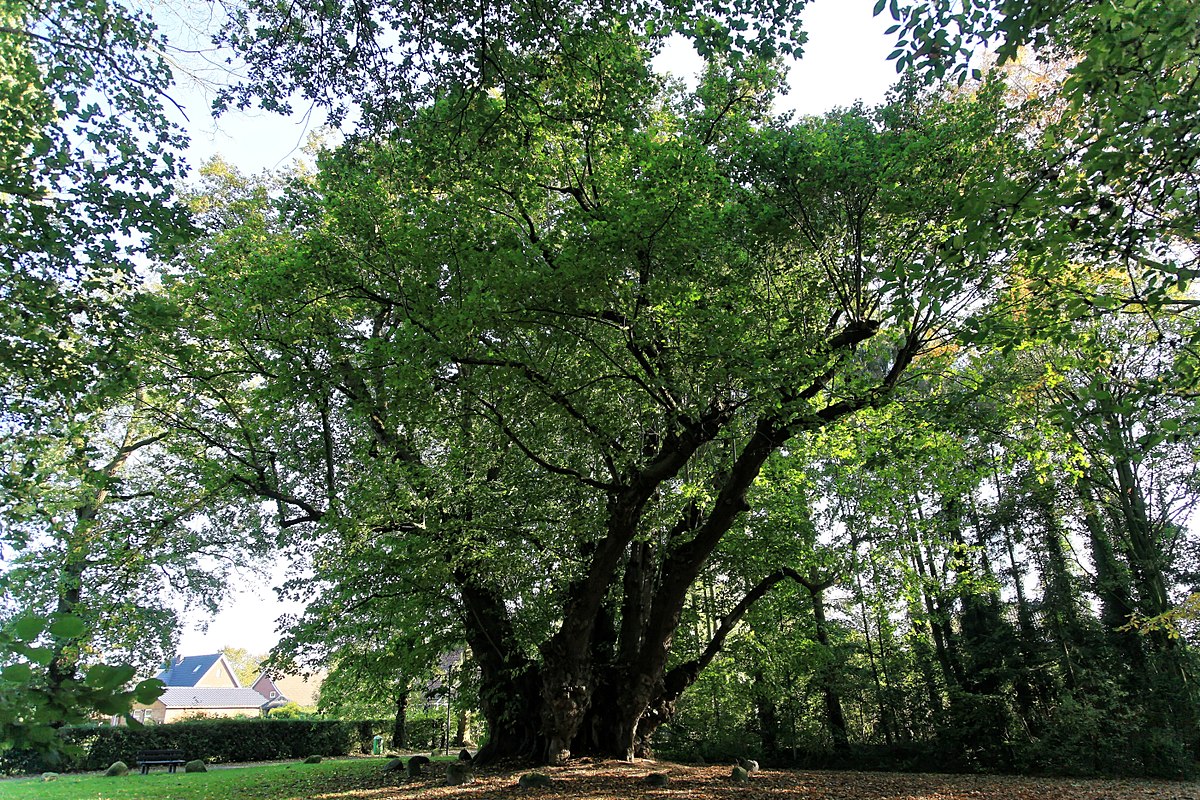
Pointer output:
187, 671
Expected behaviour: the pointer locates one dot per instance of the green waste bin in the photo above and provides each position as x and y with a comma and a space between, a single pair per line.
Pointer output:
377, 746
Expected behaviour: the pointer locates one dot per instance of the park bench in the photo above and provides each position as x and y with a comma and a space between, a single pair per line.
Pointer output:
170, 758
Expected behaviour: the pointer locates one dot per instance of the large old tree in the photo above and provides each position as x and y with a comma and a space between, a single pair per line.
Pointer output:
539, 341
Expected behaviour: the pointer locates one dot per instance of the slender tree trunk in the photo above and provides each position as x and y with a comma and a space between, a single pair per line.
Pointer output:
833, 701
931, 612
884, 721
400, 723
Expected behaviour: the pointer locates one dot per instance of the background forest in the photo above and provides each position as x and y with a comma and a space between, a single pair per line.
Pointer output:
860, 439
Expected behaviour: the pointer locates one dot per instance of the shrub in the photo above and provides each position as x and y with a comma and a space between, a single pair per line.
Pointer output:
213, 740
424, 733
289, 710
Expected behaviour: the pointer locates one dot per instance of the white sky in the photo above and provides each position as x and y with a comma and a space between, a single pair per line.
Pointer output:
844, 61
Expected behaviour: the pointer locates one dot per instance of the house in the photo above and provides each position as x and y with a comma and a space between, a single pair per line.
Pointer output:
203, 686
281, 689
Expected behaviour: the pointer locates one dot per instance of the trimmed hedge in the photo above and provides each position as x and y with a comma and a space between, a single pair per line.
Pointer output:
214, 740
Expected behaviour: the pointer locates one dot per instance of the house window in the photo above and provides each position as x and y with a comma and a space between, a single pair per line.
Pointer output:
273, 695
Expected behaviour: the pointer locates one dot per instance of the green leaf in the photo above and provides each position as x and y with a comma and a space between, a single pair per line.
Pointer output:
68, 626
149, 690
103, 676
28, 628
17, 673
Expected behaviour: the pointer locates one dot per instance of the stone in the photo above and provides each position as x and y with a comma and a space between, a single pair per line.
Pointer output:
658, 780
313, 760
535, 780
195, 765
458, 773
465, 755
740, 775
49, 776
416, 766
118, 769
395, 765
750, 765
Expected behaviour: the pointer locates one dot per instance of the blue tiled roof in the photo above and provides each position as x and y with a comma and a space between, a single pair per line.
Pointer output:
187, 670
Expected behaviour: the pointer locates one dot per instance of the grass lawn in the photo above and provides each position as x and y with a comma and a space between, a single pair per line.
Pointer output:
271, 782
364, 779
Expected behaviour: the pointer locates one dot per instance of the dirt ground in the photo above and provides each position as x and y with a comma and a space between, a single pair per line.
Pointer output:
621, 781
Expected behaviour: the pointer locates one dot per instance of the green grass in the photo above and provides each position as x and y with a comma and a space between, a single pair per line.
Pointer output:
273, 782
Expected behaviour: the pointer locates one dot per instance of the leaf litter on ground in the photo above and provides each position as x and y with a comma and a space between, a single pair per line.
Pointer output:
614, 780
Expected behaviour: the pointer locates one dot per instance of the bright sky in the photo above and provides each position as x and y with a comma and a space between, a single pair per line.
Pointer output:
845, 60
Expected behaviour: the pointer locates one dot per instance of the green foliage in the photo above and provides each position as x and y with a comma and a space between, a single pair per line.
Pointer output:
1119, 178
89, 160
247, 666
93, 529
32, 707
465, 459
560, 359
318, 52
289, 710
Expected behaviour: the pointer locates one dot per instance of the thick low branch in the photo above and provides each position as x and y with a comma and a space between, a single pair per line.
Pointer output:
685, 674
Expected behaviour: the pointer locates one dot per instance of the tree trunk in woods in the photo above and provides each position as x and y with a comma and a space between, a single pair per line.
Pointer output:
1112, 584
834, 716
400, 724
938, 628
768, 717
885, 717
63, 664
461, 729
1174, 695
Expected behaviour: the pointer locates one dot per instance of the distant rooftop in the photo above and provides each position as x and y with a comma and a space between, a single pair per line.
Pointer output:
187, 670
210, 697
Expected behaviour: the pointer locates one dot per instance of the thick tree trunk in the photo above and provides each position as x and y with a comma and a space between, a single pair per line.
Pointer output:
598, 697
509, 690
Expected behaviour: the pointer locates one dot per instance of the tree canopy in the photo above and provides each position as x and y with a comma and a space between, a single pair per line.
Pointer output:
649, 395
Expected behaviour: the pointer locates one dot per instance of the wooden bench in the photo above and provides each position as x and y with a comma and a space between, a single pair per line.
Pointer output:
169, 758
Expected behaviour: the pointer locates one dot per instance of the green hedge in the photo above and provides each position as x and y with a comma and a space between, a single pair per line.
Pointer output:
215, 741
